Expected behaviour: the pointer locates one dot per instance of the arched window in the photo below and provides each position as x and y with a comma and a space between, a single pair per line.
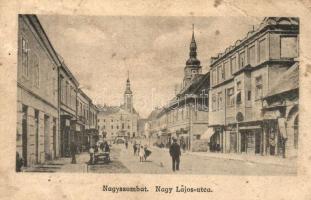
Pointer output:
296, 132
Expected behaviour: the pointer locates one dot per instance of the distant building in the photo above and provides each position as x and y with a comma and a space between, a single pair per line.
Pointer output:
121, 120
185, 117
243, 92
37, 94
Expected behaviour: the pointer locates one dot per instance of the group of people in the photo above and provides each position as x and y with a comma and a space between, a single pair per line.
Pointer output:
142, 151
100, 147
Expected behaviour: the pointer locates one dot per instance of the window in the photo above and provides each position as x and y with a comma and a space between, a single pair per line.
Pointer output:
104, 127
218, 74
230, 97
214, 77
262, 50
227, 70
128, 127
249, 95
111, 126
223, 73
213, 102
122, 125
241, 60
111, 120
289, 47
238, 95
117, 127
36, 72
252, 55
54, 87
258, 90
233, 65
61, 88
25, 57
219, 102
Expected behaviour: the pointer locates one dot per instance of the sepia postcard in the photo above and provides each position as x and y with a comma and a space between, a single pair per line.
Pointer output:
208, 100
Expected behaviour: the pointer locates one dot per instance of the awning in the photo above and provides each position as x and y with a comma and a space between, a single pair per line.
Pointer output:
271, 115
207, 134
282, 127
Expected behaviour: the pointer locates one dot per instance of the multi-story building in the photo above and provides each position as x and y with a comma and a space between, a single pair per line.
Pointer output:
186, 115
92, 128
37, 94
121, 120
241, 77
83, 119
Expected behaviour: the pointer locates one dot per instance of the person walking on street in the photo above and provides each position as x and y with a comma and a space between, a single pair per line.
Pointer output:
73, 149
91, 151
175, 154
141, 154
126, 144
134, 148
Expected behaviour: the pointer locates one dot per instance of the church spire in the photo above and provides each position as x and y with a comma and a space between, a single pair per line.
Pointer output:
128, 84
193, 51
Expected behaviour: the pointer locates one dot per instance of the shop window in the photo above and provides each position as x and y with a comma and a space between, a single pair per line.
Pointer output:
258, 89
289, 47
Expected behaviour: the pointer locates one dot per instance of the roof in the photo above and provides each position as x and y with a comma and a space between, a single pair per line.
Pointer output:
154, 114
266, 22
290, 77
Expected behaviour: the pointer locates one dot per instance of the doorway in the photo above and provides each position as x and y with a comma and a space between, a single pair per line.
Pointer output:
24, 134
46, 137
54, 137
37, 136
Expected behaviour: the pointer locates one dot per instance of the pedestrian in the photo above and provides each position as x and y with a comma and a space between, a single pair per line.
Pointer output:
126, 144
91, 151
134, 148
175, 154
19, 163
73, 149
184, 146
141, 154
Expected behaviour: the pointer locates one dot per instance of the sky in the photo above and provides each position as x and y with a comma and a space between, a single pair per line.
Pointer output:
100, 50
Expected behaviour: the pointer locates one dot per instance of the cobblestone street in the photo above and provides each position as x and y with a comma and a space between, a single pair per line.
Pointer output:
123, 161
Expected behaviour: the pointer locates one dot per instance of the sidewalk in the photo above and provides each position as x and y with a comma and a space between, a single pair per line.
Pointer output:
289, 162
62, 165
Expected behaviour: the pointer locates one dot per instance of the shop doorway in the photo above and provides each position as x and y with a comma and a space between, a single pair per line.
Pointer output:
54, 137
37, 136
24, 135
46, 137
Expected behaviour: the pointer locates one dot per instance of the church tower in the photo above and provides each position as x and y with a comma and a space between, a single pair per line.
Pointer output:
128, 95
193, 66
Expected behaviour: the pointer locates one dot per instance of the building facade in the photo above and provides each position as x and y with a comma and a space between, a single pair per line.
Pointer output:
37, 94
48, 115
241, 77
185, 117
68, 88
122, 121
